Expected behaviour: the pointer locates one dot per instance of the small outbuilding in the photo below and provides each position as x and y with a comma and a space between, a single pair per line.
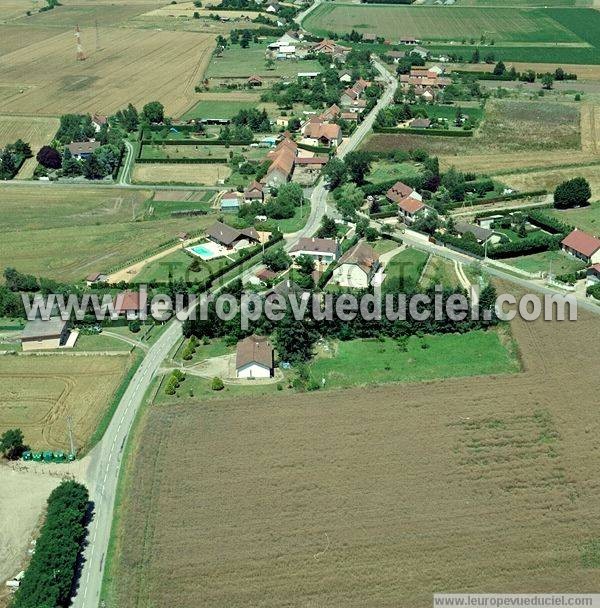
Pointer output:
44, 335
254, 358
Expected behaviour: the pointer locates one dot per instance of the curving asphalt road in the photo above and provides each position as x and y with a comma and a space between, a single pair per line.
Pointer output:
105, 459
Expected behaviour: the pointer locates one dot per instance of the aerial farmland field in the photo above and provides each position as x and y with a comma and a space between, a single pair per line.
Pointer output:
38, 394
99, 226
44, 78
435, 23
36, 131
450, 485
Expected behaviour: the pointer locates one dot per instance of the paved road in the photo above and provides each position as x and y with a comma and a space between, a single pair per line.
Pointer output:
105, 462
105, 458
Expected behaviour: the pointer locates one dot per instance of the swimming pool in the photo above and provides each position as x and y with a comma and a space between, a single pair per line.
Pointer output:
207, 251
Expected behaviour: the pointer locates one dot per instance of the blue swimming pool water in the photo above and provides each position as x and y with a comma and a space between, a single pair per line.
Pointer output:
202, 251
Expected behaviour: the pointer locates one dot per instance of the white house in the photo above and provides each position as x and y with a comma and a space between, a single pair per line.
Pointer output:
356, 267
254, 358
583, 246
323, 251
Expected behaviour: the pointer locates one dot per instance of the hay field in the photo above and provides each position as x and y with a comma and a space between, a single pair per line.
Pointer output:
549, 179
435, 23
38, 393
14, 37
354, 499
207, 175
54, 83
66, 233
36, 131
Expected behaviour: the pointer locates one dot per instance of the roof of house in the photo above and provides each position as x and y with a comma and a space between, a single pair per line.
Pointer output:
420, 123
362, 255
398, 192
396, 54
329, 46
127, 301
266, 274
39, 329
231, 195
83, 147
582, 242
349, 116
227, 235
99, 119
283, 157
481, 234
316, 245
254, 349
352, 93
254, 78
312, 160
369, 36
93, 277
286, 288
329, 131
594, 268
254, 190
411, 205
331, 112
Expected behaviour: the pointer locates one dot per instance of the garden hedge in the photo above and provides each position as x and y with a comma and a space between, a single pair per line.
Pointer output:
433, 132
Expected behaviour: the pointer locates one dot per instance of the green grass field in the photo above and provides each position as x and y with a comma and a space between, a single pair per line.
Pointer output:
587, 218
521, 32
67, 233
227, 108
384, 170
372, 361
176, 265
405, 266
435, 23
562, 263
237, 62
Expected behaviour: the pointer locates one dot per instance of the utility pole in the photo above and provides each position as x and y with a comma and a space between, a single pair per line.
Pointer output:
70, 429
80, 54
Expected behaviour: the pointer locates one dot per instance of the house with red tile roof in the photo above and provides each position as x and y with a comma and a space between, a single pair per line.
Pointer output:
583, 246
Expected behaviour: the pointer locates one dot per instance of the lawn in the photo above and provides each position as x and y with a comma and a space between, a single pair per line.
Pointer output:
164, 209
175, 266
405, 266
440, 272
385, 170
449, 112
237, 62
156, 151
292, 224
359, 362
88, 229
384, 245
225, 108
586, 218
560, 262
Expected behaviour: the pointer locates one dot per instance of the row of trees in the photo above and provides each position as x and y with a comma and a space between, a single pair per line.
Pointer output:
295, 339
12, 157
49, 578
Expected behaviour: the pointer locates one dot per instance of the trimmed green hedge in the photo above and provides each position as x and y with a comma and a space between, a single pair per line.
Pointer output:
468, 246
49, 578
497, 199
195, 142
316, 149
433, 132
534, 243
183, 161
548, 223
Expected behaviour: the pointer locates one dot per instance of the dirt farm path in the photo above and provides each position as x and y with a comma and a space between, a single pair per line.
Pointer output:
590, 128
126, 274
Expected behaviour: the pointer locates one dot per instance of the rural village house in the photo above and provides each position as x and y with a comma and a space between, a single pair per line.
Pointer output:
230, 237
254, 358
357, 266
44, 335
323, 251
583, 246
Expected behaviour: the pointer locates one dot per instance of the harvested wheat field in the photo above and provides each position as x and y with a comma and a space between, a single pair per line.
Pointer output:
53, 83
39, 393
372, 497
206, 175
36, 131
548, 180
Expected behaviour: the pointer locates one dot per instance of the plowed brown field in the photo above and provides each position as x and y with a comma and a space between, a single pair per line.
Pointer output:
372, 497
